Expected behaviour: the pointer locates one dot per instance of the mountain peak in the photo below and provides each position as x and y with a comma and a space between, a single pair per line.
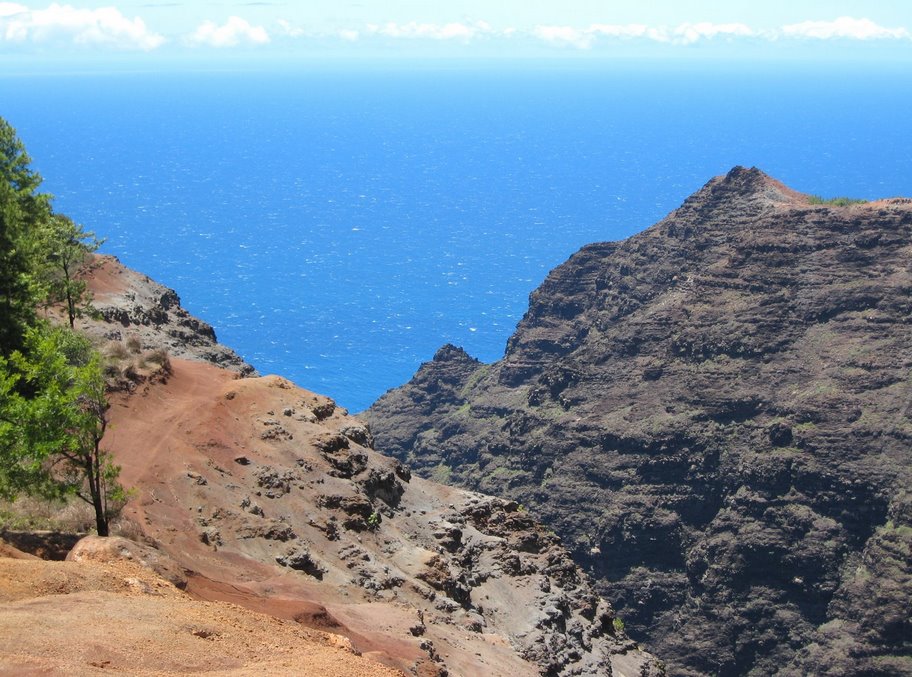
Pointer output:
449, 353
742, 184
748, 178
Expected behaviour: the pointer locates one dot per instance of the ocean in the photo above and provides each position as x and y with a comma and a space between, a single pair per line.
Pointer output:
337, 226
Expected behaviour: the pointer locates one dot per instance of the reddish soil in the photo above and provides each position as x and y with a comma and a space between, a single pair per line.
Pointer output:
88, 618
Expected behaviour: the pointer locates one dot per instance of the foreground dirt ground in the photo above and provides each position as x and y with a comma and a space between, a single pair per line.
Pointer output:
88, 618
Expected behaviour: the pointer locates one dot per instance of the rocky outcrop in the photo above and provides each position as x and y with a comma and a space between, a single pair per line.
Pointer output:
715, 417
116, 548
271, 497
256, 492
131, 306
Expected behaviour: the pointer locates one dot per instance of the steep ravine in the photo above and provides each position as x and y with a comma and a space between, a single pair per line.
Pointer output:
272, 497
716, 417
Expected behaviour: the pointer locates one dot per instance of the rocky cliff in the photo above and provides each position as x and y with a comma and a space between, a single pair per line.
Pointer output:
716, 417
130, 305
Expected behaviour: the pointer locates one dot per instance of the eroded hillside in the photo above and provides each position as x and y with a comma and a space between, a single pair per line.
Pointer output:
273, 498
110, 612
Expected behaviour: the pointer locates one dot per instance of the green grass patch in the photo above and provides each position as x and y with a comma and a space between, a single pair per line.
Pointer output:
502, 472
442, 473
835, 201
473, 380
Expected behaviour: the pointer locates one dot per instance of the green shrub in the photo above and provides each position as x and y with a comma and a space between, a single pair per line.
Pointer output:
373, 522
835, 201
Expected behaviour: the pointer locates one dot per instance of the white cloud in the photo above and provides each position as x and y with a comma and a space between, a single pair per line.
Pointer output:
620, 31
688, 33
104, 26
233, 32
10, 8
564, 36
288, 29
844, 27
431, 31
584, 38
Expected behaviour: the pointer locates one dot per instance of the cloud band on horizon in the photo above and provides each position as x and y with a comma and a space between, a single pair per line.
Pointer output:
108, 27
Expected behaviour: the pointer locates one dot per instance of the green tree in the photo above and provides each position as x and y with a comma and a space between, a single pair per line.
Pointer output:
53, 411
23, 210
53, 416
67, 246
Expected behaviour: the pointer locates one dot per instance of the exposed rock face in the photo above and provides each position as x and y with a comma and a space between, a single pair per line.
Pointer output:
271, 497
716, 417
130, 304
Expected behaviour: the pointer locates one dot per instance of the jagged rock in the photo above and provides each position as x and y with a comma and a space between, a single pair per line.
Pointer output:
713, 415
273, 530
450, 537
359, 434
276, 482
348, 464
197, 478
331, 443
367, 530
249, 506
437, 574
323, 407
211, 536
780, 434
275, 431
300, 559
382, 483
153, 314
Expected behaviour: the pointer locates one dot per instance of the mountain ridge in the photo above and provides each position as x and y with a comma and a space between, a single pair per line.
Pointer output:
714, 415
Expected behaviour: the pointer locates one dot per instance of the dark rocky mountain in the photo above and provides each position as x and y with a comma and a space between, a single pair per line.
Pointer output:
716, 417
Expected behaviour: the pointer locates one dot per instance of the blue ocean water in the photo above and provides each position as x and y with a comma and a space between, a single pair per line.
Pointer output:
338, 227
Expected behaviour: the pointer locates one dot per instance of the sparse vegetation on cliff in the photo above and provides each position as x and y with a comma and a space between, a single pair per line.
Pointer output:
835, 201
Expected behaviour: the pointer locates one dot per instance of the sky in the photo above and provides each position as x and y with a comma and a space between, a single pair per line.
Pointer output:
167, 34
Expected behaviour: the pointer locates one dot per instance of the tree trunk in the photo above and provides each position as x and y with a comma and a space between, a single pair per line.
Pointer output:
93, 471
101, 519
71, 304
